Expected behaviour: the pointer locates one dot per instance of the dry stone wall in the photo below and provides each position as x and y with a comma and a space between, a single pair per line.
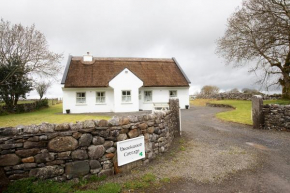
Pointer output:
276, 117
236, 96
70, 150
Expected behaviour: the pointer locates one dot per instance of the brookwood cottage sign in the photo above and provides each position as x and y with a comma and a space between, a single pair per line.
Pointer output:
130, 150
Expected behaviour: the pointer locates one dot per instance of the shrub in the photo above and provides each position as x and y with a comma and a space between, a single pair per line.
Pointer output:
41, 103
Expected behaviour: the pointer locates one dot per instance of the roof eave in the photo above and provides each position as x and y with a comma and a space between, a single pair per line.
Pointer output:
66, 69
183, 73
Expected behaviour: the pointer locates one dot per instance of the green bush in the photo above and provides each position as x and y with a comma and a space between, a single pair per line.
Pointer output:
41, 103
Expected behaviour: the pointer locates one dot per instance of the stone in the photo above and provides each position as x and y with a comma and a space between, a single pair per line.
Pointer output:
42, 137
150, 123
52, 135
32, 144
89, 124
95, 164
108, 144
28, 160
122, 137
11, 146
96, 151
9, 131
124, 121
9, 160
133, 118
110, 155
134, 133
77, 169
143, 126
150, 130
25, 166
77, 135
4, 181
33, 129
47, 128
55, 162
114, 121
98, 140
126, 127
34, 138
79, 154
95, 171
46, 172
18, 176
60, 144
44, 157
108, 172
62, 127
107, 166
111, 150
85, 140
103, 123
27, 152
64, 155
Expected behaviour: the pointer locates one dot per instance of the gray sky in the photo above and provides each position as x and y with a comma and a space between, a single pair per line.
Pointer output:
184, 29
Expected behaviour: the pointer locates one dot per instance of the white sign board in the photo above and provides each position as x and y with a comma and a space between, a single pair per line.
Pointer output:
130, 150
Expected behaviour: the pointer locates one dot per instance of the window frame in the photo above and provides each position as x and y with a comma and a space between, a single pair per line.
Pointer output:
85, 97
101, 97
145, 91
126, 96
170, 94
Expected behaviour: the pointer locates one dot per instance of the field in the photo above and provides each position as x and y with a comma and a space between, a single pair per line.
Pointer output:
53, 114
242, 113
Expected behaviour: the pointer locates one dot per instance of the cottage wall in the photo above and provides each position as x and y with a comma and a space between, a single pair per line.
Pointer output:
69, 100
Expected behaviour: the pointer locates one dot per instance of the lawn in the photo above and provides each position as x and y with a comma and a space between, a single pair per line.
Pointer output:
242, 113
53, 114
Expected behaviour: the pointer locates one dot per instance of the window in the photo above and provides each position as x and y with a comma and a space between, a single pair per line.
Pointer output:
172, 93
140, 95
81, 97
126, 96
147, 96
100, 97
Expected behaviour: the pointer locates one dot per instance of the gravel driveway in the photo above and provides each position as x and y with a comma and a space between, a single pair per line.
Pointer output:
229, 157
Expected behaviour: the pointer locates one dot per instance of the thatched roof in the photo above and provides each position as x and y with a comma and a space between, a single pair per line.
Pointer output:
99, 72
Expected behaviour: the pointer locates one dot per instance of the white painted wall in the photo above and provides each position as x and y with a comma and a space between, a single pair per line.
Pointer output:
126, 80
161, 95
69, 100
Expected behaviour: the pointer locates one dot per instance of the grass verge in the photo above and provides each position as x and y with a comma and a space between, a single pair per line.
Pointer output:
53, 114
242, 113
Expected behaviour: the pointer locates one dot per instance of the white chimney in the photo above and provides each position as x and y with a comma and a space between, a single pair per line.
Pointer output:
88, 57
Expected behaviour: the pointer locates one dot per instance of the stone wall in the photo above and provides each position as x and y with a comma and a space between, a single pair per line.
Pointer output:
219, 105
71, 150
276, 117
236, 96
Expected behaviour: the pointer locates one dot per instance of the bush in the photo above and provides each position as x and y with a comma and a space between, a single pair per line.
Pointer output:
41, 103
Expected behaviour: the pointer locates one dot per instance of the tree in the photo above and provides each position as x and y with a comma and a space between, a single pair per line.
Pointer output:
259, 31
234, 90
30, 47
17, 85
209, 90
41, 88
251, 91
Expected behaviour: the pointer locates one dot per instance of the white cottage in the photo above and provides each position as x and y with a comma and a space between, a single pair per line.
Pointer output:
92, 84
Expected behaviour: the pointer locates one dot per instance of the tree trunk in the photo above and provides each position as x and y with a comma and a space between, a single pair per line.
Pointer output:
286, 91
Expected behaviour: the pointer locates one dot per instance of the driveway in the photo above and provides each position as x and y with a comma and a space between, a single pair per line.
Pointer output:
227, 157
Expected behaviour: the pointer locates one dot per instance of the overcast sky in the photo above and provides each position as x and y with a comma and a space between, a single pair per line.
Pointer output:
184, 29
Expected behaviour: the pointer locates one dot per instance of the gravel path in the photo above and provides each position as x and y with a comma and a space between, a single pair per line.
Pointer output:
229, 157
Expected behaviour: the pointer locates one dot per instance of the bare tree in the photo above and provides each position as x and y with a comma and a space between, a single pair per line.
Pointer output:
259, 31
234, 90
41, 88
209, 90
31, 47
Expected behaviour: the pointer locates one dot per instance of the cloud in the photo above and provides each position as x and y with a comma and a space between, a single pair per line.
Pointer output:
184, 29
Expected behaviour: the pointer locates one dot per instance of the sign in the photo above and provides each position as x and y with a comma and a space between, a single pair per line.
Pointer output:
130, 150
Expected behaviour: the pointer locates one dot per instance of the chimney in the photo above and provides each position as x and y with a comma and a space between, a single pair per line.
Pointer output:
88, 57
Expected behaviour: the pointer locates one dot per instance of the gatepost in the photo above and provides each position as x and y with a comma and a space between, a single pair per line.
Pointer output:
257, 112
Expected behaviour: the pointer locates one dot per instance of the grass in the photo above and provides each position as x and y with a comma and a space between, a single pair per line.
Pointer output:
144, 182
53, 114
242, 113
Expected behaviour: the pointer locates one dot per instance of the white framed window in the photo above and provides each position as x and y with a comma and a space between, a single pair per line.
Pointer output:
100, 97
147, 96
172, 93
81, 97
140, 95
126, 96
